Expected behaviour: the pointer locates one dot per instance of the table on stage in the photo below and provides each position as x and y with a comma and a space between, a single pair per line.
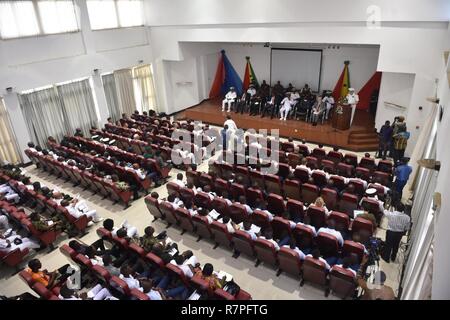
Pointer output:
341, 117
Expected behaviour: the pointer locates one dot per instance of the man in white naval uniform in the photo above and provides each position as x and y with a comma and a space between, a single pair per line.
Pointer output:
352, 99
230, 98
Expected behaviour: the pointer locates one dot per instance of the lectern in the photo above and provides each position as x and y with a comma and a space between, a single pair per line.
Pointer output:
341, 116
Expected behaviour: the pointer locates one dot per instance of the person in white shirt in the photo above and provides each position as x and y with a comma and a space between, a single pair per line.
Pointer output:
4, 223
230, 98
230, 123
304, 166
261, 205
126, 274
231, 226
31, 147
329, 102
327, 175
243, 201
294, 97
268, 235
132, 232
78, 208
174, 200
152, 292
207, 190
249, 228
139, 171
315, 254
9, 193
306, 225
292, 245
179, 180
14, 241
332, 232
352, 100
286, 107
251, 91
186, 268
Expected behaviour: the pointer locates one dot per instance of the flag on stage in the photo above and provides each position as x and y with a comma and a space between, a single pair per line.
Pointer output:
249, 76
225, 78
341, 88
367, 90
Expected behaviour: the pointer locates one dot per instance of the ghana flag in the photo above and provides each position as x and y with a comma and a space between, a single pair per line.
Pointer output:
343, 84
249, 76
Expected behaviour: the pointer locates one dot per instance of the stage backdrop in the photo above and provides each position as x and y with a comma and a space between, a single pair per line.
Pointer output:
296, 66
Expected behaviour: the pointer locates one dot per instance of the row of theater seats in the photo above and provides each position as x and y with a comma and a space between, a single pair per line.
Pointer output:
286, 164
43, 205
278, 191
108, 167
122, 136
285, 259
121, 155
84, 179
119, 286
321, 155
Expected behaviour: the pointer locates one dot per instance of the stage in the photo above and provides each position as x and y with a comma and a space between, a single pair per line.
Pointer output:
360, 137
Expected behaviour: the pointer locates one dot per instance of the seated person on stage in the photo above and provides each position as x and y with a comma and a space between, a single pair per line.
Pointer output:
329, 103
269, 107
230, 98
306, 91
318, 110
286, 106
241, 103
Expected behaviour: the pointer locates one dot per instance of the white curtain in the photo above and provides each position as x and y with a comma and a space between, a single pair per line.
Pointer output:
125, 92
18, 19
78, 105
112, 101
143, 79
57, 16
43, 114
8, 145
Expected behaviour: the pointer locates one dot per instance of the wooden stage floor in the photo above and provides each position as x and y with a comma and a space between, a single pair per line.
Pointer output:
360, 137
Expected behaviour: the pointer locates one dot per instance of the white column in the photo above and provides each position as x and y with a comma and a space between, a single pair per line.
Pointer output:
99, 93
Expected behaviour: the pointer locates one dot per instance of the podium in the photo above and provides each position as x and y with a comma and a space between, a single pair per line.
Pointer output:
341, 117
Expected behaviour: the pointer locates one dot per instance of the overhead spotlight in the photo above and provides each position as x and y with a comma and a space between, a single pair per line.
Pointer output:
334, 47
9, 89
96, 71
267, 45
141, 61
337, 47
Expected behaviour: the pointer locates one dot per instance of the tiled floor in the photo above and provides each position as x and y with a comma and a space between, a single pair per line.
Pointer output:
261, 282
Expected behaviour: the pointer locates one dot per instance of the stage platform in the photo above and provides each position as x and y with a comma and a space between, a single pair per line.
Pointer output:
360, 137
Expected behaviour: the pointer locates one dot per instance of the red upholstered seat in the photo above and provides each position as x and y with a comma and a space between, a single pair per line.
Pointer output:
301, 174
348, 204
172, 187
383, 177
294, 159
310, 192
202, 200
258, 177
193, 177
273, 184
364, 173
335, 156
319, 153
265, 252
342, 282
327, 244
385, 166
238, 213
275, 204
339, 182
330, 197
341, 220
314, 271
289, 261
221, 185
168, 211
317, 216
187, 195
312, 162
153, 207
345, 170
260, 218
243, 243
119, 285
253, 195
368, 163
292, 189
352, 247
237, 190
353, 158
184, 218
221, 234
295, 209
202, 227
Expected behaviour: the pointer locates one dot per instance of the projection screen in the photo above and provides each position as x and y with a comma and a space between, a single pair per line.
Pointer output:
296, 66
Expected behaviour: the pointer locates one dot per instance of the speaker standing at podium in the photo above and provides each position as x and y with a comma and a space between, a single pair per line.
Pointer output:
352, 100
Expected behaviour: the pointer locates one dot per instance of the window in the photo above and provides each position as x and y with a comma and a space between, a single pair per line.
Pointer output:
57, 16
107, 14
30, 18
144, 88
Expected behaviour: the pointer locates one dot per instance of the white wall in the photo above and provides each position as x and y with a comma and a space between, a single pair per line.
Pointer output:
395, 88
33, 62
363, 62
